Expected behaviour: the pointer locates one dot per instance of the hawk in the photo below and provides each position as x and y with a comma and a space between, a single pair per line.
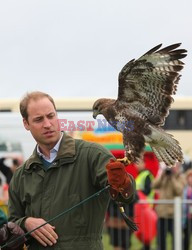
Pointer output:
146, 86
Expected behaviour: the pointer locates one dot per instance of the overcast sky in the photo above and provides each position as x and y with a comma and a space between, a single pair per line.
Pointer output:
76, 48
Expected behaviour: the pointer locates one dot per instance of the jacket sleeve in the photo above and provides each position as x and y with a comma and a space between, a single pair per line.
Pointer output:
15, 207
98, 159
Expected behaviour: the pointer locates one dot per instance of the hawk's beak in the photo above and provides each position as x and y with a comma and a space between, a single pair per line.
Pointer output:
95, 114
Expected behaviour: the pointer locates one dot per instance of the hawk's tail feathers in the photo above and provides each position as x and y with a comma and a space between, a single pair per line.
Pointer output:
168, 155
167, 148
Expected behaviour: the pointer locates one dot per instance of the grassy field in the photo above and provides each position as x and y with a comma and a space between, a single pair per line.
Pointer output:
136, 244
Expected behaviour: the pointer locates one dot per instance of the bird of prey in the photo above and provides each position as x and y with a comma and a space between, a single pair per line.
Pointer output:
146, 86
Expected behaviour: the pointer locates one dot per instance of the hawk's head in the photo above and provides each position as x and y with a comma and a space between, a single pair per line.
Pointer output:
101, 105
97, 107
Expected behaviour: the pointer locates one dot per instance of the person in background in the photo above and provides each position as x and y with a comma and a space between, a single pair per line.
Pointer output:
5, 187
9, 232
7, 173
5, 194
61, 172
144, 180
143, 184
3, 218
187, 210
119, 232
5, 170
169, 184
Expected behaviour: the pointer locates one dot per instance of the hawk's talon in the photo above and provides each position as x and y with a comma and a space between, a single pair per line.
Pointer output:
124, 160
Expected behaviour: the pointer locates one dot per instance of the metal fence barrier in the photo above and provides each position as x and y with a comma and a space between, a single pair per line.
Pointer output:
121, 237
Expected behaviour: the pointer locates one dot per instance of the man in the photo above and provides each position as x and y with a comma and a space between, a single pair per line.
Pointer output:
143, 184
169, 184
60, 173
144, 180
6, 171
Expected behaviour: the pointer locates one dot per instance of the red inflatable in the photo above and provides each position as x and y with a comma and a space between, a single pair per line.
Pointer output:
146, 220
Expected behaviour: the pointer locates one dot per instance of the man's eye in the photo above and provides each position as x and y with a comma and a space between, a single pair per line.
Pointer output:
38, 120
51, 116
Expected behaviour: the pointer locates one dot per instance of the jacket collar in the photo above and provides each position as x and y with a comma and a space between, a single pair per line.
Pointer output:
66, 152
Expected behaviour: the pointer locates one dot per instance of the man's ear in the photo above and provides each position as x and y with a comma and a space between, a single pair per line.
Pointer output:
26, 124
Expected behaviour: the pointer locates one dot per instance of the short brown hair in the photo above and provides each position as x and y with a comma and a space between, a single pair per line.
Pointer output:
35, 95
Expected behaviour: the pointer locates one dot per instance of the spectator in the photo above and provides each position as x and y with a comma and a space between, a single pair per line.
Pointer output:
3, 218
169, 184
143, 184
119, 233
144, 180
9, 232
187, 210
5, 170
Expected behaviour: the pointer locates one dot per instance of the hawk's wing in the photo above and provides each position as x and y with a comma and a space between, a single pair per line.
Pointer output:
147, 84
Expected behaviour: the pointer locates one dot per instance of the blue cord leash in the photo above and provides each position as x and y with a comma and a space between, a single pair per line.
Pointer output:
58, 216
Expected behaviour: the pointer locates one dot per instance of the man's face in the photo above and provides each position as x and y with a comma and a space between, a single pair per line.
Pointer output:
42, 122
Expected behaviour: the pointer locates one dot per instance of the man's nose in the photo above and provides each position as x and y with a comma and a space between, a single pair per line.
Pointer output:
47, 123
